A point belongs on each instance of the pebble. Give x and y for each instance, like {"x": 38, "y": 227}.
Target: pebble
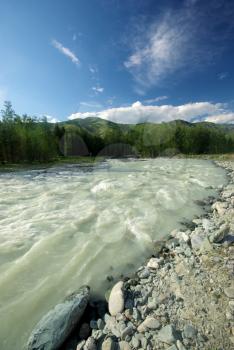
{"x": 149, "y": 323}
{"x": 108, "y": 344}
{"x": 123, "y": 345}
{"x": 168, "y": 334}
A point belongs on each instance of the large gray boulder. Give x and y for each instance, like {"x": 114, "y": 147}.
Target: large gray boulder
{"x": 54, "y": 328}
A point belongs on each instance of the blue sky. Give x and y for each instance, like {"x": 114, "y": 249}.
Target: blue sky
{"x": 121, "y": 60}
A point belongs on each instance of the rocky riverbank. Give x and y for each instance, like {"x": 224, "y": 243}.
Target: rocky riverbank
{"x": 182, "y": 298}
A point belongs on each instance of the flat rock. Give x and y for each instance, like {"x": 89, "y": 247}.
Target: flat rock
{"x": 54, "y": 328}
{"x": 116, "y": 299}
{"x": 168, "y": 334}
{"x": 229, "y": 292}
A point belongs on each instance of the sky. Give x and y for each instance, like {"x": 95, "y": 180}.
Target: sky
{"x": 123, "y": 60}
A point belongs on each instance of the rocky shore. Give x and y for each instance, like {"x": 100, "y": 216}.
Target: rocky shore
{"x": 182, "y": 298}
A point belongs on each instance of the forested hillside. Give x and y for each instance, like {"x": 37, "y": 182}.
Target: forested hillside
{"x": 28, "y": 139}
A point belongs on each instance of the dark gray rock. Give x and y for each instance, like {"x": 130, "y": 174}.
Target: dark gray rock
{"x": 189, "y": 332}
{"x": 54, "y": 328}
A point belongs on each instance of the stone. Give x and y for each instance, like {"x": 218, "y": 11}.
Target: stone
{"x": 108, "y": 344}
{"x": 84, "y": 331}
{"x": 180, "y": 345}
{"x": 80, "y": 345}
{"x": 116, "y": 299}
{"x": 206, "y": 246}
{"x": 135, "y": 342}
{"x": 231, "y": 305}
{"x": 100, "y": 324}
{"x": 168, "y": 334}
{"x": 189, "y": 332}
{"x": 144, "y": 273}
{"x": 197, "y": 239}
{"x": 153, "y": 263}
{"x": 126, "y": 331}
{"x": 54, "y": 328}
{"x": 123, "y": 345}
{"x": 90, "y": 344}
{"x": 219, "y": 207}
{"x": 173, "y": 347}
{"x": 149, "y": 323}
{"x": 93, "y": 324}
{"x": 229, "y": 292}
{"x": 218, "y": 236}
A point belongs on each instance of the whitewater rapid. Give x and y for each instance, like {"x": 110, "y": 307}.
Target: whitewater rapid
{"x": 67, "y": 226}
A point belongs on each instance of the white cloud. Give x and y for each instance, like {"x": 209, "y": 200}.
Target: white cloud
{"x": 65, "y": 51}
{"x": 226, "y": 118}
{"x": 51, "y": 119}
{"x": 156, "y": 99}
{"x": 97, "y": 89}
{"x": 138, "y": 112}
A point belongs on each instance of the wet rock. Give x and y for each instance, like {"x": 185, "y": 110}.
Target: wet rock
{"x": 168, "y": 334}
{"x": 57, "y": 324}
{"x": 100, "y": 324}
{"x": 116, "y": 299}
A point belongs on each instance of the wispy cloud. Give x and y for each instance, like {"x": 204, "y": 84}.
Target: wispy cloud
{"x": 65, "y": 51}
{"x": 91, "y": 105}
{"x": 179, "y": 41}
{"x": 156, "y": 99}
{"x": 93, "y": 69}
{"x": 97, "y": 89}
{"x": 222, "y": 75}
{"x": 137, "y": 112}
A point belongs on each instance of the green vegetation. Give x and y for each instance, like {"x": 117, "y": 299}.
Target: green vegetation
{"x": 25, "y": 139}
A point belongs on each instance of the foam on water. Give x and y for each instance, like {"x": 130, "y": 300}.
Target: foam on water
{"x": 64, "y": 227}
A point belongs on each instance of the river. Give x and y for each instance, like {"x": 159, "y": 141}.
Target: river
{"x": 70, "y": 225}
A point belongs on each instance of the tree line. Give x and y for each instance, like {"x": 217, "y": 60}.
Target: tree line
{"x": 29, "y": 139}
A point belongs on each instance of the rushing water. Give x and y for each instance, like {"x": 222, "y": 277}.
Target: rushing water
{"x": 67, "y": 226}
